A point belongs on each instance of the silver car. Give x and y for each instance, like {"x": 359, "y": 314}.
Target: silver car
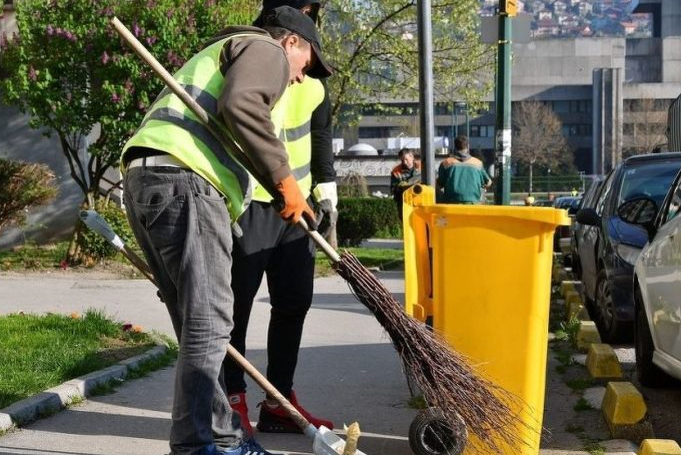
{"x": 657, "y": 288}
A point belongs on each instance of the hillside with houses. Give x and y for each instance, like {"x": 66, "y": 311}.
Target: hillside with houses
{"x": 575, "y": 18}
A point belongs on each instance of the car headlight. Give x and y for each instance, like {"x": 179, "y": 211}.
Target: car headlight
{"x": 628, "y": 253}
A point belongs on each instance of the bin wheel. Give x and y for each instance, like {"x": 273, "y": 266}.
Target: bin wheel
{"x": 431, "y": 434}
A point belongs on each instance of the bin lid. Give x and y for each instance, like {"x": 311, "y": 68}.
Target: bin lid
{"x": 548, "y": 215}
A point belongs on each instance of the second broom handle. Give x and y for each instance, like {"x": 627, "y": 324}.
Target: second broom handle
{"x": 297, "y": 417}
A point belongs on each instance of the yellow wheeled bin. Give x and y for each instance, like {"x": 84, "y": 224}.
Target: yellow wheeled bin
{"x": 482, "y": 275}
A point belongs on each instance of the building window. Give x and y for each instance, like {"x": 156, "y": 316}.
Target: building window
{"x": 377, "y": 132}
{"x": 576, "y": 130}
{"x": 580, "y": 106}
{"x": 446, "y": 130}
{"x": 482, "y": 131}
{"x": 647, "y": 105}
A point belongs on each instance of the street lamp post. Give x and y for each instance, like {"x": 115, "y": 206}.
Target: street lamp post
{"x": 548, "y": 182}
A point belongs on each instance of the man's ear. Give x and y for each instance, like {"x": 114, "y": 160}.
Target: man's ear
{"x": 291, "y": 41}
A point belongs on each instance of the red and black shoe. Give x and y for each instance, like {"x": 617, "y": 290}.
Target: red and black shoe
{"x": 238, "y": 403}
{"x": 276, "y": 419}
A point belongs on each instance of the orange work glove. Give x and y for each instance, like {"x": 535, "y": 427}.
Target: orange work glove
{"x": 295, "y": 205}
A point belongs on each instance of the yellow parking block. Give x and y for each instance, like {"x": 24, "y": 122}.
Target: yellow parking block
{"x": 577, "y": 310}
{"x": 623, "y": 404}
{"x": 602, "y": 362}
{"x": 659, "y": 447}
{"x": 587, "y": 335}
{"x": 573, "y": 297}
{"x": 567, "y": 286}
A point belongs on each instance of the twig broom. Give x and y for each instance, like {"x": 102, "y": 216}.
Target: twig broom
{"x": 445, "y": 377}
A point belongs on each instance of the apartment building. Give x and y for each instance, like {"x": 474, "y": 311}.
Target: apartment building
{"x": 611, "y": 94}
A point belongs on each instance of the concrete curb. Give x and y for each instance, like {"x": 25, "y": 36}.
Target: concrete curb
{"x": 57, "y": 398}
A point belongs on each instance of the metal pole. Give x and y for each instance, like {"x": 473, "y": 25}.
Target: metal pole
{"x": 468, "y": 126}
{"x": 456, "y": 112}
{"x": 502, "y": 194}
{"x": 426, "y": 92}
{"x": 451, "y": 145}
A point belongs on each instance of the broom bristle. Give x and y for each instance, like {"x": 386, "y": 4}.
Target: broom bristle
{"x": 444, "y": 376}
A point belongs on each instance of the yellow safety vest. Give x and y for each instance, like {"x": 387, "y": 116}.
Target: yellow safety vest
{"x": 172, "y": 127}
{"x": 302, "y": 100}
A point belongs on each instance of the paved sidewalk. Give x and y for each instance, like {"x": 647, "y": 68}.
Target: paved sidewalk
{"x": 348, "y": 371}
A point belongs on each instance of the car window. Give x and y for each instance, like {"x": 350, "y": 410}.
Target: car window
{"x": 591, "y": 194}
{"x": 674, "y": 203}
{"x": 607, "y": 187}
{"x": 649, "y": 180}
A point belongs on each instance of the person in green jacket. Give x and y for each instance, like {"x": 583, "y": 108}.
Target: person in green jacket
{"x": 183, "y": 190}
{"x": 461, "y": 177}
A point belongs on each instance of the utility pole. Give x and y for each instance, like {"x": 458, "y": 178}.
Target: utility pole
{"x": 502, "y": 194}
{"x": 427, "y": 124}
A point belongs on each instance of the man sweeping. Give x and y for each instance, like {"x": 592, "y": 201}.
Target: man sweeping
{"x": 282, "y": 252}
{"x": 183, "y": 191}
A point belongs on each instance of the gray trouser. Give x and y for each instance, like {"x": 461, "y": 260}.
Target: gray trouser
{"x": 182, "y": 225}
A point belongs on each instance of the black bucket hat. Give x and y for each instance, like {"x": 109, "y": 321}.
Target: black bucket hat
{"x": 295, "y": 21}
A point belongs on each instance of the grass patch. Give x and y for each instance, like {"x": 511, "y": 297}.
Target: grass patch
{"x": 572, "y": 428}
{"x": 564, "y": 357}
{"x": 41, "y": 351}
{"x": 582, "y": 405}
{"x": 383, "y": 258}
{"x": 594, "y": 448}
{"x": 33, "y": 257}
{"x": 568, "y": 331}
{"x": 580, "y": 384}
{"x": 37, "y": 258}
{"x": 417, "y": 402}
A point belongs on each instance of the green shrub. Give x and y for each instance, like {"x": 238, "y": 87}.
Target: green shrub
{"x": 23, "y": 185}
{"x": 353, "y": 185}
{"x": 93, "y": 245}
{"x": 366, "y": 217}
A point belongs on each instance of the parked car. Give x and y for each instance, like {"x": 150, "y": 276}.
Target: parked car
{"x": 608, "y": 252}
{"x": 561, "y": 237}
{"x": 588, "y": 201}
{"x": 657, "y": 287}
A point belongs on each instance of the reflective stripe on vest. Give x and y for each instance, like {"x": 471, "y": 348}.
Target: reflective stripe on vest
{"x": 172, "y": 127}
{"x": 302, "y": 100}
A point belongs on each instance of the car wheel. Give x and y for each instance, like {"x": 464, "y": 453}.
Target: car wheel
{"x": 611, "y": 330}
{"x": 648, "y": 374}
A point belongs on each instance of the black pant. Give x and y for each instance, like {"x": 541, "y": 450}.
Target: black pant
{"x": 286, "y": 254}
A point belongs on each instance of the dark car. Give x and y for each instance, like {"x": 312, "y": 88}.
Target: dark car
{"x": 569, "y": 203}
{"x": 562, "y": 234}
{"x": 588, "y": 201}
{"x": 608, "y": 252}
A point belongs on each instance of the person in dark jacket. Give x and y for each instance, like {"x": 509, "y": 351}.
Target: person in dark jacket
{"x": 282, "y": 252}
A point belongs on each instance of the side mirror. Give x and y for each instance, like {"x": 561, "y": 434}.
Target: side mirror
{"x": 640, "y": 211}
{"x": 588, "y": 216}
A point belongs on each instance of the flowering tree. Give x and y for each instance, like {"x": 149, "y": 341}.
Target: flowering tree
{"x": 77, "y": 80}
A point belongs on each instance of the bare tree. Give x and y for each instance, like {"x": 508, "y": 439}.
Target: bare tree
{"x": 646, "y": 129}
{"x": 538, "y": 138}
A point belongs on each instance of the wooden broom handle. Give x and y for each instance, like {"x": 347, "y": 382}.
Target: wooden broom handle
{"x": 200, "y": 112}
